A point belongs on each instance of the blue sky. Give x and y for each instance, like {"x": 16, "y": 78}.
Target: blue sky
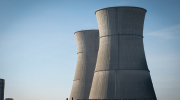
{"x": 38, "y": 51}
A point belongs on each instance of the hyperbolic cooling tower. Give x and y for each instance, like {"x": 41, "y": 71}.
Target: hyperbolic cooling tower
{"x": 121, "y": 70}
{"x": 87, "y": 49}
{"x": 2, "y": 84}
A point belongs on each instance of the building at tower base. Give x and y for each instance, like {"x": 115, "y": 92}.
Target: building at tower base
{"x": 2, "y": 85}
{"x": 9, "y": 99}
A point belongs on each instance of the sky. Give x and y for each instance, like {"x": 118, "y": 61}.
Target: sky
{"x": 38, "y": 50}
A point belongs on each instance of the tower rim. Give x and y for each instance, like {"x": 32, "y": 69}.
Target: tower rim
{"x": 120, "y": 7}
{"x": 87, "y": 30}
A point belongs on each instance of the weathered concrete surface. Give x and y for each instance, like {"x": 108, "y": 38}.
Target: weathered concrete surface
{"x": 87, "y": 49}
{"x": 2, "y": 84}
{"x": 121, "y": 70}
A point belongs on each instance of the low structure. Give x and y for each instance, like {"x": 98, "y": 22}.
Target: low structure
{"x": 9, "y": 99}
{"x": 2, "y": 85}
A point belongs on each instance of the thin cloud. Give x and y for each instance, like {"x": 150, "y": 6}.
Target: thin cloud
{"x": 168, "y": 33}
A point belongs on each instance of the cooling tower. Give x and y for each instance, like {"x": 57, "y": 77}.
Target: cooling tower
{"x": 2, "y": 84}
{"x": 121, "y": 70}
{"x": 87, "y": 49}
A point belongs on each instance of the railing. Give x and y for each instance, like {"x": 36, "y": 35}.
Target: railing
{"x": 113, "y": 99}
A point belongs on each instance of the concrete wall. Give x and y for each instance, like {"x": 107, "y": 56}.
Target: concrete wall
{"x": 87, "y": 49}
{"x": 2, "y": 85}
{"x": 121, "y": 70}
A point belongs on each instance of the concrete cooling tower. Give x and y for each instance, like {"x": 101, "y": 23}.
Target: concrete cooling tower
{"x": 2, "y": 84}
{"x": 121, "y": 70}
{"x": 87, "y": 49}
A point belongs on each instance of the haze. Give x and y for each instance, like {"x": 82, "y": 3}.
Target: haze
{"x": 38, "y": 50}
